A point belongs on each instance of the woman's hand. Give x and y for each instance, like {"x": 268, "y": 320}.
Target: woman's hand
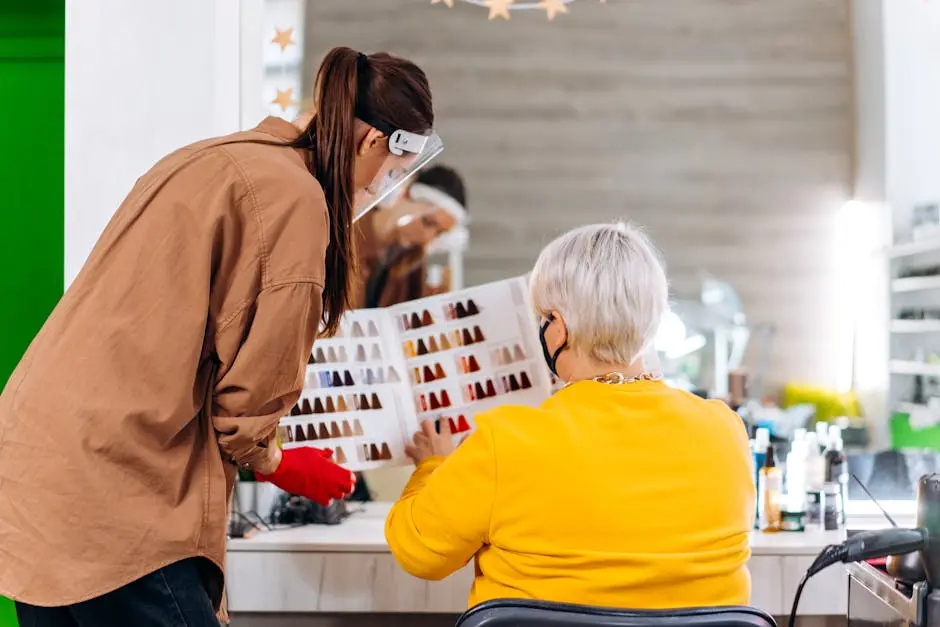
{"x": 429, "y": 443}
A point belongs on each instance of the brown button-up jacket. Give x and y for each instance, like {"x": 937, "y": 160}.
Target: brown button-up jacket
{"x": 206, "y": 284}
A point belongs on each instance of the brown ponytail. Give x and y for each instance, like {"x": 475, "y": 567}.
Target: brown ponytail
{"x": 396, "y": 92}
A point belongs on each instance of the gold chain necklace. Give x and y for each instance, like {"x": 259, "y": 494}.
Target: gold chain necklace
{"x": 618, "y": 378}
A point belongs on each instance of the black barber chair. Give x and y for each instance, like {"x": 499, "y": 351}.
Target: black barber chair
{"x": 521, "y": 613}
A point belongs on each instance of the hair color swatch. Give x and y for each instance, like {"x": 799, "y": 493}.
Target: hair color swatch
{"x": 376, "y": 452}
{"x": 461, "y": 309}
{"x": 415, "y": 320}
{"x": 339, "y": 403}
{"x": 369, "y": 329}
{"x": 507, "y": 355}
{"x": 364, "y": 351}
{"x": 352, "y": 377}
{"x": 428, "y": 373}
{"x": 432, "y": 401}
{"x": 316, "y": 431}
{"x": 491, "y": 387}
{"x": 458, "y": 425}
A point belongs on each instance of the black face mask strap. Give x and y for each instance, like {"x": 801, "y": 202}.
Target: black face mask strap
{"x": 551, "y": 359}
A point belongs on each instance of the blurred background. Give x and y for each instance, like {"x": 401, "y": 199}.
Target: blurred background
{"x": 724, "y": 128}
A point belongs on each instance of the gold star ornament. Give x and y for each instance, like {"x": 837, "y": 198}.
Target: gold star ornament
{"x": 449, "y": 3}
{"x": 553, "y": 7}
{"x": 499, "y": 8}
{"x": 283, "y": 38}
{"x": 284, "y": 98}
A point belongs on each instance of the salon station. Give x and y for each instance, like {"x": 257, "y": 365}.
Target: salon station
{"x": 293, "y": 576}
{"x": 774, "y": 162}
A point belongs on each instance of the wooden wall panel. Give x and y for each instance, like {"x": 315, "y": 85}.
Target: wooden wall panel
{"x": 723, "y": 126}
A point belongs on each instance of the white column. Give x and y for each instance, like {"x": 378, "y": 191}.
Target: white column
{"x": 142, "y": 78}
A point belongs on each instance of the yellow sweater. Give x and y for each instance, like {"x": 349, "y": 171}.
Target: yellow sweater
{"x": 633, "y": 496}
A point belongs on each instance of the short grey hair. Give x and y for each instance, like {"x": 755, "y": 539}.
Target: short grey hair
{"x": 609, "y": 284}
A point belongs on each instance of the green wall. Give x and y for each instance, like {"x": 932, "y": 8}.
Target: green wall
{"x": 32, "y": 177}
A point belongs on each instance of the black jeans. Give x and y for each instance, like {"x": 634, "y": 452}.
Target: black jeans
{"x": 170, "y": 597}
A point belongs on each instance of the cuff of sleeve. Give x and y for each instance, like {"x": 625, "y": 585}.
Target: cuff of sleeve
{"x": 259, "y": 455}
{"x": 429, "y": 464}
{"x": 422, "y": 472}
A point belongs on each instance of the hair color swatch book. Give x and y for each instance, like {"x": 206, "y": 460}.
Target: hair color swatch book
{"x": 441, "y": 358}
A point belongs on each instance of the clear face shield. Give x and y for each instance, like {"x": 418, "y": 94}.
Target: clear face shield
{"x": 410, "y": 152}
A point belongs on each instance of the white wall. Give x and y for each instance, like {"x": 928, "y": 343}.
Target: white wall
{"x": 897, "y": 90}
{"x": 142, "y": 78}
{"x": 912, "y": 103}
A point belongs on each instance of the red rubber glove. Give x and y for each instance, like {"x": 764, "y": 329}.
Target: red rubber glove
{"x": 308, "y": 472}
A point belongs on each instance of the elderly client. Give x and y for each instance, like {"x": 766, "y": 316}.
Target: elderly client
{"x": 618, "y": 491}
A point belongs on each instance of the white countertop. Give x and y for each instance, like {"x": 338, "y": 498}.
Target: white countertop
{"x": 364, "y": 532}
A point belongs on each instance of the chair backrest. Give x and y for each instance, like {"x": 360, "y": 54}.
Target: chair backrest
{"x": 522, "y": 613}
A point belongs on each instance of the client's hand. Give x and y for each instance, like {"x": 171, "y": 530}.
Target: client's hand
{"x": 308, "y": 472}
{"x": 429, "y": 443}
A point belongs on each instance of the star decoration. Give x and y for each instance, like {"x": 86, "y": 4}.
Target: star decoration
{"x": 283, "y": 38}
{"x": 499, "y": 8}
{"x": 553, "y": 7}
{"x": 284, "y": 98}
{"x": 449, "y": 3}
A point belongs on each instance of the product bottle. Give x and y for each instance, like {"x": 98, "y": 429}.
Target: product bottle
{"x": 770, "y": 490}
{"x": 836, "y": 471}
{"x": 759, "y": 449}
{"x": 795, "y": 476}
{"x": 830, "y": 506}
{"x": 759, "y": 452}
{"x": 815, "y": 477}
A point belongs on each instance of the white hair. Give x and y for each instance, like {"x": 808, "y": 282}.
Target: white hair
{"x": 609, "y": 285}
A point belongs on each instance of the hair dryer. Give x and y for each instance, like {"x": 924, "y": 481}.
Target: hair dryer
{"x": 904, "y": 544}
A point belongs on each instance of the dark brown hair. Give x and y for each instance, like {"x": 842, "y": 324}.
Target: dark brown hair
{"x": 395, "y": 93}
{"x": 447, "y": 180}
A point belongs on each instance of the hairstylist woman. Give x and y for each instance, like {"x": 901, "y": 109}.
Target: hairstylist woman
{"x": 170, "y": 359}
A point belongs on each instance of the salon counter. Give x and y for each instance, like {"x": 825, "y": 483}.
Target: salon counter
{"x": 348, "y": 569}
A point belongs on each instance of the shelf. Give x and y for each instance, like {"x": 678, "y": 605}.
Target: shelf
{"x": 915, "y": 283}
{"x": 913, "y": 248}
{"x": 915, "y": 326}
{"x": 900, "y": 366}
